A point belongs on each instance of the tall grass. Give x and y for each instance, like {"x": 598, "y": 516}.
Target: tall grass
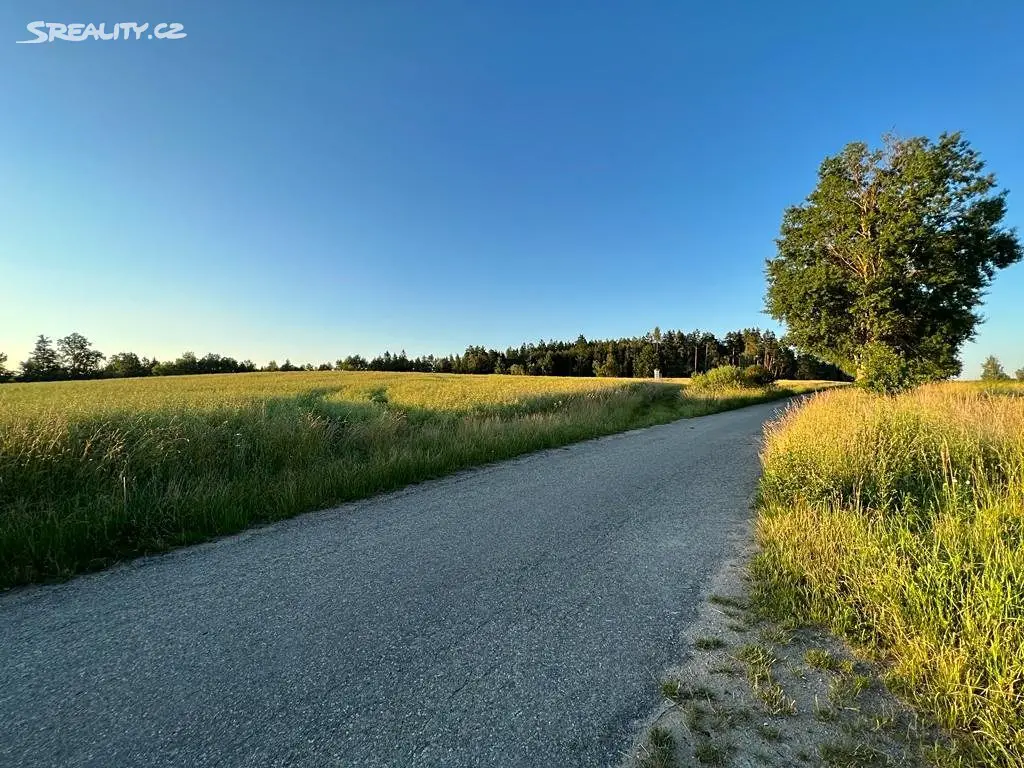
{"x": 91, "y": 472}
{"x": 900, "y": 523}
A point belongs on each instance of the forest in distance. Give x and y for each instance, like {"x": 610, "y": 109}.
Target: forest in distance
{"x": 675, "y": 354}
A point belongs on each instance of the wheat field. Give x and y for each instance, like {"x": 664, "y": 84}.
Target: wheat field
{"x": 96, "y": 471}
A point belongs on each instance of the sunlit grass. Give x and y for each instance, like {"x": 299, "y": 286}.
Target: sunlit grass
{"x": 900, "y": 522}
{"x": 94, "y": 471}
{"x": 433, "y": 391}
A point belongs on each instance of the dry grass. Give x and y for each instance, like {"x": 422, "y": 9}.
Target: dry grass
{"x": 900, "y": 523}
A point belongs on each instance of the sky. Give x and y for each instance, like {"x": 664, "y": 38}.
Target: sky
{"x": 312, "y": 180}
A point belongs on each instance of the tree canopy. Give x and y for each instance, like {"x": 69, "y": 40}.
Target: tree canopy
{"x": 992, "y": 370}
{"x": 42, "y": 364}
{"x": 77, "y": 358}
{"x": 889, "y": 256}
{"x": 673, "y": 353}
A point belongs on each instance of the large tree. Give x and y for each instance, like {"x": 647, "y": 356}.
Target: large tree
{"x": 77, "y": 357}
{"x": 4, "y": 373}
{"x": 42, "y": 364}
{"x": 889, "y": 256}
{"x": 126, "y": 365}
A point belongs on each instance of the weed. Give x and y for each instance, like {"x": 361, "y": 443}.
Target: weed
{"x": 759, "y": 660}
{"x": 708, "y": 643}
{"x": 729, "y": 602}
{"x": 710, "y": 752}
{"x": 851, "y": 755}
{"x": 845, "y": 689}
{"x": 777, "y": 634}
{"x": 659, "y": 751}
{"x": 821, "y": 659}
{"x": 823, "y": 712}
{"x": 774, "y": 699}
{"x": 677, "y": 691}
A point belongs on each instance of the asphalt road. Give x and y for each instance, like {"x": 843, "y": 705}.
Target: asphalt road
{"x": 515, "y": 615}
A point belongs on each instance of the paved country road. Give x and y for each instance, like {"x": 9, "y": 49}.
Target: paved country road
{"x": 515, "y": 615}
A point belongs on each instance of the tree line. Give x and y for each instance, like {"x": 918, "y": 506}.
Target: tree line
{"x": 672, "y": 354}
{"x": 878, "y": 273}
{"x": 992, "y": 370}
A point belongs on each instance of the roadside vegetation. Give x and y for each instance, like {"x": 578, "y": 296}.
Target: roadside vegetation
{"x": 95, "y": 471}
{"x": 898, "y": 522}
{"x": 759, "y": 691}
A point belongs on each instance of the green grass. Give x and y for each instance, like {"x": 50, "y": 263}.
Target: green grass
{"x": 708, "y": 643}
{"x": 759, "y": 660}
{"x": 96, "y": 471}
{"x": 711, "y": 753}
{"x": 678, "y": 691}
{"x": 899, "y": 522}
{"x": 851, "y": 755}
{"x": 821, "y": 659}
{"x": 659, "y": 752}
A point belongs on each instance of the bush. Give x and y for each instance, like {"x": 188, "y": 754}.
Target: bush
{"x": 885, "y": 371}
{"x": 757, "y": 376}
{"x": 730, "y": 377}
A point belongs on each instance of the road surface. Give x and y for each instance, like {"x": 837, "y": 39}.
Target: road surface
{"x": 519, "y": 614}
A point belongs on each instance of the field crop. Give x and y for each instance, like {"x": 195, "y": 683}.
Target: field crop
{"x": 95, "y": 471}
{"x": 899, "y": 522}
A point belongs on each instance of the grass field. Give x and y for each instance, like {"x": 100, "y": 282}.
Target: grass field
{"x": 900, "y": 523}
{"x": 96, "y": 471}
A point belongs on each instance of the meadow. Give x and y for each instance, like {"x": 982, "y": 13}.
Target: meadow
{"x": 899, "y": 522}
{"x": 92, "y": 472}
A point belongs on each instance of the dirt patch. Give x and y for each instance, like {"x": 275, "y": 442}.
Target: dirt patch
{"x": 753, "y": 693}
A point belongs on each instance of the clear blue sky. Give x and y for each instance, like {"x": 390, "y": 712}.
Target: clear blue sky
{"x": 310, "y": 180}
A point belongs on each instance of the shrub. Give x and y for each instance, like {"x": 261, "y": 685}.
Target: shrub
{"x": 723, "y": 377}
{"x": 757, "y": 376}
{"x": 885, "y": 371}
{"x": 731, "y": 377}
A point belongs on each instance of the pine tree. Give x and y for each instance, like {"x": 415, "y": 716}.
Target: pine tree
{"x": 42, "y": 364}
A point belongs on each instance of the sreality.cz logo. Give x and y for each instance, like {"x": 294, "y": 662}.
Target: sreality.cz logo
{"x": 50, "y": 31}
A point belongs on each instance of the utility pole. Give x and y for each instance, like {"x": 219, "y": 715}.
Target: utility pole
{"x": 656, "y": 338}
